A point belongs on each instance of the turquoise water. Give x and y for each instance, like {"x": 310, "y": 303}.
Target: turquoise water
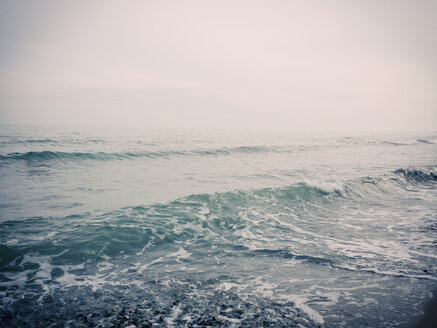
{"x": 186, "y": 228}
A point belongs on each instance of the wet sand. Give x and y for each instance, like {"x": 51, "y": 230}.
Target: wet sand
{"x": 429, "y": 319}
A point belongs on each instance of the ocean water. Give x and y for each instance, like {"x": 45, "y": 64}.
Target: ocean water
{"x": 192, "y": 228}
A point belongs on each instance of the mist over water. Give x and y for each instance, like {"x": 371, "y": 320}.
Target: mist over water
{"x": 186, "y": 228}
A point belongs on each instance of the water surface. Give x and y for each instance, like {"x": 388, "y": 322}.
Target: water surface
{"x": 180, "y": 228}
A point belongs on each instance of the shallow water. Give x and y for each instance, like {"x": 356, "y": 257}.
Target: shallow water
{"x": 221, "y": 228}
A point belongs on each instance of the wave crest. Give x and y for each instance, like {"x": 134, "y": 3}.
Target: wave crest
{"x": 415, "y": 175}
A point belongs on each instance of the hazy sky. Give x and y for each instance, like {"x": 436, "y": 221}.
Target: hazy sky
{"x": 259, "y": 64}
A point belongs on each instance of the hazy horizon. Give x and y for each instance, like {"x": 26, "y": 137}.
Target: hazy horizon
{"x": 294, "y": 65}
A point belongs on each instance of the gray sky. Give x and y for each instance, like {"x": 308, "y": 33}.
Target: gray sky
{"x": 318, "y": 65}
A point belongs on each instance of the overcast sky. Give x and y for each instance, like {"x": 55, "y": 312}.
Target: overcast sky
{"x": 318, "y": 65}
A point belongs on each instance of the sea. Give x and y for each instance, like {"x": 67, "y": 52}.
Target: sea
{"x": 124, "y": 227}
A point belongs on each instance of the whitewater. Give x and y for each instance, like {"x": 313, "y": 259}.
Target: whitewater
{"x": 114, "y": 227}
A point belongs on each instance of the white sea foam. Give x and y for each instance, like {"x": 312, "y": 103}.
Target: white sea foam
{"x": 175, "y": 313}
{"x": 141, "y": 268}
{"x": 12, "y": 241}
{"x": 228, "y": 285}
{"x": 300, "y": 303}
{"x": 149, "y": 243}
{"x": 180, "y": 254}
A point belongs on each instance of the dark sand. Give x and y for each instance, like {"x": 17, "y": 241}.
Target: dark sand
{"x": 429, "y": 319}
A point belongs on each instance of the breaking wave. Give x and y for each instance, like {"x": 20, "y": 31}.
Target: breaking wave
{"x": 129, "y": 229}
{"x": 118, "y": 256}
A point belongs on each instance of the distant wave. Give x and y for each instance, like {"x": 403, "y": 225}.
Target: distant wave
{"x": 407, "y": 143}
{"x": 13, "y": 141}
{"x": 36, "y": 141}
{"x": 394, "y": 143}
{"x": 60, "y": 155}
{"x": 107, "y": 156}
{"x": 50, "y": 155}
{"x": 424, "y": 141}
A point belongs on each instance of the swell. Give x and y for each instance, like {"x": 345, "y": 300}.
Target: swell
{"x": 108, "y": 156}
{"x": 50, "y": 155}
{"x": 13, "y": 141}
{"x": 27, "y": 141}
